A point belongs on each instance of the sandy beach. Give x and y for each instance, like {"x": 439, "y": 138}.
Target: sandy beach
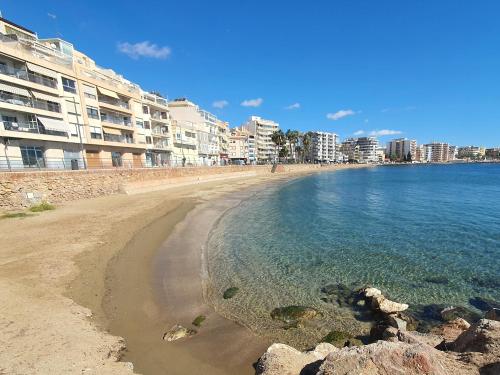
{"x": 79, "y": 279}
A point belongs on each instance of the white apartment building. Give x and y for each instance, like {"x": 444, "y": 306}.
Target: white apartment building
{"x": 323, "y": 147}
{"x": 261, "y": 130}
{"x": 196, "y": 132}
{"x": 239, "y": 146}
{"x": 361, "y": 150}
{"x": 399, "y": 149}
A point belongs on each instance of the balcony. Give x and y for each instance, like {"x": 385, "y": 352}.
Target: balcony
{"x": 30, "y": 127}
{"x": 117, "y": 120}
{"x": 159, "y": 116}
{"x": 160, "y": 132}
{"x": 114, "y": 102}
{"x": 27, "y": 76}
{"x": 28, "y": 102}
{"x": 118, "y": 138}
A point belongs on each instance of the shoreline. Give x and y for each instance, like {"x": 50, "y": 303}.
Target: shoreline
{"x": 175, "y": 295}
{"x": 55, "y": 275}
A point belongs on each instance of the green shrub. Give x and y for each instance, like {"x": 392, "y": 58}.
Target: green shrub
{"x": 13, "y": 215}
{"x": 44, "y": 206}
{"x": 198, "y": 320}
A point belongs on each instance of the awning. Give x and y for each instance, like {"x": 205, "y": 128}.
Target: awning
{"x": 41, "y": 96}
{"x": 14, "y": 90}
{"x": 107, "y": 92}
{"x": 41, "y": 70}
{"x": 53, "y": 124}
{"x": 111, "y": 131}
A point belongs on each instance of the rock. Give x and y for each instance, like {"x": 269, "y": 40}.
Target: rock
{"x": 395, "y": 321}
{"x": 483, "y": 337}
{"x": 371, "y": 292}
{"x": 390, "y": 334}
{"x": 387, "y": 306}
{"x": 340, "y": 294}
{"x": 281, "y": 359}
{"x": 413, "y": 337}
{"x": 337, "y": 338}
{"x": 493, "y": 314}
{"x": 437, "y": 280}
{"x": 451, "y": 313}
{"x": 230, "y": 292}
{"x": 291, "y": 314}
{"x": 449, "y": 331}
{"x": 388, "y": 358}
{"x": 484, "y": 304}
{"x": 178, "y": 332}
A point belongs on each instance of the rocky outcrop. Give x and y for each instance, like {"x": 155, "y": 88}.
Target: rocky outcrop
{"x": 455, "y": 347}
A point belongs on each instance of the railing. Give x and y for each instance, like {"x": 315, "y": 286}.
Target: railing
{"x": 116, "y": 120}
{"x": 29, "y": 127}
{"x": 27, "y": 76}
{"x": 159, "y": 116}
{"x": 28, "y": 102}
{"x": 117, "y": 138}
{"x": 116, "y": 102}
{"x": 154, "y": 160}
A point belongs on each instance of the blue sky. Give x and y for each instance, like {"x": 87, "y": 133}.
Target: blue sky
{"x": 426, "y": 69}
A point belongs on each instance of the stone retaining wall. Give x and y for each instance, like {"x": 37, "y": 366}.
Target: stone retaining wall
{"x": 23, "y": 189}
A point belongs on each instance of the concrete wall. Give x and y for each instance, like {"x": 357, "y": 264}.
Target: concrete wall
{"x": 23, "y": 189}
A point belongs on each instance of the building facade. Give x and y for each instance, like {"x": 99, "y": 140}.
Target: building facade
{"x": 239, "y": 146}
{"x": 264, "y": 149}
{"x": 323, "y": 147}
{"x": 437, "y": 152}
{"x": 401, "y": 149}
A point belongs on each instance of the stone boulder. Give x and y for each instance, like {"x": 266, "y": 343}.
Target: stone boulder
{"x": 483, "y": 337}
{"x": 493, "y": 314}
{"x": 281, "y": 359}
{"x": 395, "y": 358}
{"x": 387, "y": 306}
{"x": 178, "y": 332}
{"x": 449, "y": 331}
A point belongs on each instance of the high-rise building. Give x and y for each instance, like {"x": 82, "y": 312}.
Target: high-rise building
{"x": 323, "y": 147}
{"x": 361, "y": 150}
{"x": 239, "y": 146}
{"x": 261, "y": 130}
{"x": 400, "y": 149}
{"x": 437, "y": 152}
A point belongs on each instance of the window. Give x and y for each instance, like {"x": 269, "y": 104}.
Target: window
{"x": 53, "y": 107}
{"x": 32, "y": 156}
{"x": 92, "y": 112}
{"x": 145, "y": 109}
{"x": 148, "y": 140}
{"x": 69, "y": 85}
{"x": 116, "y": 159}
{"x": 139, "y": 123}
{"x": 90, "y": 96}
{"x": 147, "y": 125}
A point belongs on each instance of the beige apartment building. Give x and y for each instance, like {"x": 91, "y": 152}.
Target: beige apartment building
{"x": 239, "y": 146}
{"x": 438, "y": 152}
{"x": 261, "y": 130}
{"x": 59, "y": 109}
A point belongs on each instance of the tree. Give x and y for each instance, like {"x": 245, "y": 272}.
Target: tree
{"x": 292, "y": 137}
{"x": 306, "y": 144}
{"x": 409, "y": 157}
{"x": 283, "y": 152}
{"x": 279, "y": 139}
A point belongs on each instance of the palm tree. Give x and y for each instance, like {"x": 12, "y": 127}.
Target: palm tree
{"x": 279, "y": 139}
{"x": 292, "y": 137}
{"x": 306, "y": 143}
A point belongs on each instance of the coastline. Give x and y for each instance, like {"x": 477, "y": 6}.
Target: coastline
{"x": 56, "y": 272}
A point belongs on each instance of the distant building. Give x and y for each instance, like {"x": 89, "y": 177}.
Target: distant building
{"x": 361, "y": 150}
{"x": 437, "y": 152}
{"x": 471, "y": 152}
{"x": 399, "y": 149}
{"x": 492, "y": 153}
{"x": 260, "y": 129}
{"x": 323, "y": 147}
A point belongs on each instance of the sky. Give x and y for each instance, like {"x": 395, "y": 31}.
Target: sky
{"x": 423, "y": 69}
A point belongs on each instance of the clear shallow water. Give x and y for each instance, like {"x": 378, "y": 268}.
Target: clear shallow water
{"x": 422, "y": 234}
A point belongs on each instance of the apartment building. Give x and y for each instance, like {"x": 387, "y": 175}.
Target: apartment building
{"x": 400, "y": 149}
{"x": 155, "y": 129}
{"x": 260, "y": 130}
{"x": 471, "y": 152}
{"x": 61, "y": 110}
{"x": 437, "y": 152}
{"x": 323, "y": 147}
{"x": 239, "y": 146}
{"x": 223, "y": 140}
{"x": 350, "y": 150}
{"x": 360, "y": 150}
{"x": 492, "y": 153}
{"x": 197, "y": 132}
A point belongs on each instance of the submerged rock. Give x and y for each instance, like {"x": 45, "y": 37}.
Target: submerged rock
{"x": 178, "y": 332}
{"x": 230, "y": 292}
{"x": 484, "y": 304}
{"x": 338, "y": 338}
{"x": 493, "y": 314}
{"x": 442, "y": 280}
{"x": 451, "y": 313}
{"x": 340, "y": 294}
{"x": 291, "y": 314}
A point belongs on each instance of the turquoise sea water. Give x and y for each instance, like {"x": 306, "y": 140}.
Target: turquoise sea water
{"x": 424, "y": 235}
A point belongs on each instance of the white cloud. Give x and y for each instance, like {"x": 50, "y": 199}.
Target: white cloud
{"x": 252, "y": 102}
{"x": 381, "y": 133}
{"x": 51, "y": 15}
{"x": 293, "y": 106}
{"x": 220, "y": 104}
{"x": 144, "y": 49}
{"x": 359, "y": 132}
{"x": 340, "y": 114}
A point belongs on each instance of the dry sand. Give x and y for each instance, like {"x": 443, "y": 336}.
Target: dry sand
{"x": 103, "y": 254}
